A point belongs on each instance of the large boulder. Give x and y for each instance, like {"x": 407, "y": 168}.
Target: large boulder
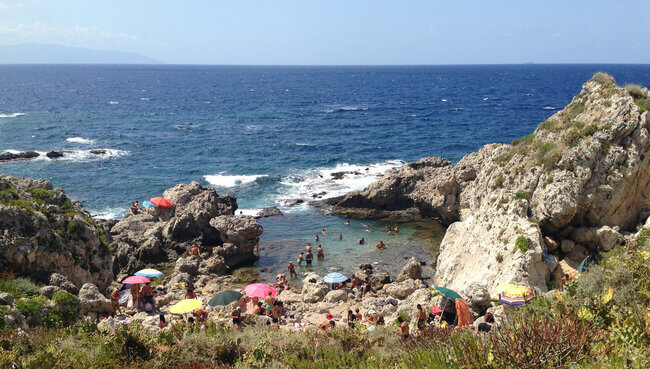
{"x": 6, "y": 299}
{"x": 411, "y": 270}
{"x": 313, "y": 288}
{"x": 92, "y": 301}
{"x": 241, "y": 233}
{"x": 400, "y": 290}
{"x": 64, "y": 283}
{"x": 336, "y": 296}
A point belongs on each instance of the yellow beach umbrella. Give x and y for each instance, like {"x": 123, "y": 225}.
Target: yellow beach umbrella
{"x": 185, "y": 306}
{"x": 513, "y": 289}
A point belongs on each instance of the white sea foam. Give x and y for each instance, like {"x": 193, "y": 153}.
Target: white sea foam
{"x": 251, "y": 212}
{"x": 11, "y": 115}
{"x": 84, "y": 155}
{"x": 332, "y": 182}
{"x": 222, "y": 180}
{"x": 306, "y": 144}
{"x": 144, "y": 99}
{"x": 344, "y": 108}
{"x": 549, "y": 108}
{"x": 13, "y": 151}
{"x": 108, "y": 213}
{"x": 81, "y": 140}
{"x": 113, "y": 102}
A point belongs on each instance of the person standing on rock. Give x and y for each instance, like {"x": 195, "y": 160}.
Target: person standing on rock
{"x": 319, "y": 253}
{"x": 292, "y": 270}
{"x": 147, "y": 294}
{"x": 115, "y": 301}
{"x": 268, "y": 301}
{"x": 135, "y": 296}
{"x": 308, "y": 258}
{"x": 422, "y": 317}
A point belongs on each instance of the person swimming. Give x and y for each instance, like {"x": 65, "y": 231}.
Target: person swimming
{"x": 347, "y": 222}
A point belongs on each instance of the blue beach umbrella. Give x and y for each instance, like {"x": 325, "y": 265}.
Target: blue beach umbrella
{"x": 335, "y": 277}
{"x": 150, "y": 273}
{"x": 147, "y": 204}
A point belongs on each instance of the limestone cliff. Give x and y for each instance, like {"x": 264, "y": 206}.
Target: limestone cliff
{"x": 43, "y": 232}
{"x": 569, "y": 189}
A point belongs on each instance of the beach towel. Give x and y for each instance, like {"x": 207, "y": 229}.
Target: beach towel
{"x": 462, "y": 311}
{"x": 301, "y": 325}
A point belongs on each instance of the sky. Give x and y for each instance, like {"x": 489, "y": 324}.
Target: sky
{"x": 340, "y": 32}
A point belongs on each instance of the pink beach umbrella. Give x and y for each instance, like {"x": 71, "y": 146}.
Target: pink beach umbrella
{"x": 259, "y": 290}
{"x": 136, "y": 279}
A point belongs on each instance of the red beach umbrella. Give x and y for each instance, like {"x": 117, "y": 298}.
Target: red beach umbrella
{"x": 161, "y": 202}
{"x": 136, "y": 279}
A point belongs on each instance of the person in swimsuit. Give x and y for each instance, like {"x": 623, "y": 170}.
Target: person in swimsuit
{"x": 299, "y": 260}
{"x": 381, "y": 245}
{"x": 190, "y": 294}
{"x": 236, "y": 316}
{"x": 135, "y": 295}
{"x": 347, "y": 222}
{"x": 201, "y": 315}
{"x": 258, "y": 310}
{"x": 355, "y": 282}
{"x": 351, "y": 319}
{"x": 363, "y": 240}
{"x": 308, "y": 247}
{"x": 308, "y": 258}
{"x": 115, "y": 301}
{"x": 316, "y": 238}
{"x": 292, "y": 270}
{"x": 134, "y": 208}
{"x": 357, "y": 315}
{"x": 387, "y": 228}
{"x": 396, "y": 228}
{"x": 403, "y": 329}
{"x": 268, "y": 301}
{"x": 276, "y": 311}
{"x": 323, "y": 232}
{"x": 319, "y": 253}
{"x": 340, "y": 236}
{"x": 147, "y": 294}
{"x": 422, "y": 317}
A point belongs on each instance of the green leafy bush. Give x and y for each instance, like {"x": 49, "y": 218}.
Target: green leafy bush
{"x": 519, "y": 195}
{"x": 521, "y": 244}
{"x": 18, "y": 287}
{"x": 30, "y": 306}
{"x": 64, "y": 310}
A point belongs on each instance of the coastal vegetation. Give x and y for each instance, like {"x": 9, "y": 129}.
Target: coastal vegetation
{"x": 602, "y": 320}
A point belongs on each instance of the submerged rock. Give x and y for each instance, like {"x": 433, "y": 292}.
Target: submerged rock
{"x": 269, "y": 212}
{"x": 7, "y": 156}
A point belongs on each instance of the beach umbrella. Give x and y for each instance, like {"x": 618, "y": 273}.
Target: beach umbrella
{"x": 335, "y": 277}
{"x": 161, "y": 203}
{"x": 136, "y": 279}
{"x": 225, "y": 297}
{"x": 448, "y": 293}
{"x": 150, "y": 273}
{"x": 584, "y": 265}
{"x": 513, "y": 295}
{"x": 147, "y": 204}
{"x": 259, "y": 290}
{"x": 185, "y": 306}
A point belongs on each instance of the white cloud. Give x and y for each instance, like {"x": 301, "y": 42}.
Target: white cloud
{"x": 74, "y": 36}
{"x": 17, "y": 4}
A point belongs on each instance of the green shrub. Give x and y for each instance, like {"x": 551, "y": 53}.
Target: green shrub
{"x": 64, "y": 309}
{"x": 576, "y": 109}
{"x": 4, "y": 310}
{"x": 74, "y": 229}
{"x": 521, "y": 244}
{"x": 635, "y": 91}
{"x": 498, "y": 183}
{"x": 601, "y": 77}
{"x": 607, "y": 103}
{"x": 18, "y": 287}
{"x": 67, "y": 208}
{"x": 524, "y": 141}
{"x": 519, "y": 195}
{"x": 30, "y": 306}
{"x": 103, "y": 242}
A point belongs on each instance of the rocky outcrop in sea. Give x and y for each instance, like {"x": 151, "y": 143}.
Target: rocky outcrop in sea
{"x": 528, "y": 212}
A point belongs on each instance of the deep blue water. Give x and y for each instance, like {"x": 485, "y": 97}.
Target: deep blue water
{"x": 282, "y": 128}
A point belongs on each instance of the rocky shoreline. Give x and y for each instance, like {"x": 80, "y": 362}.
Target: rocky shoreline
{"x": 525, "y": 213}
{"x": 529, "y": 212}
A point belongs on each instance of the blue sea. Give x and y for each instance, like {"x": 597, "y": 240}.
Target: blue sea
{"x": 271, "y": 135}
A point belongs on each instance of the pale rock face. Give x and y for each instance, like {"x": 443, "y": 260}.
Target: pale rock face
{"x": 313, "y": 288}
{"x": 91, "y": 300}
{"x": 411, "y": 270}
{"x": 580, "y": 175}
{"x": 400, "y": 290}
{"x": 336, "y": 296}
{"x": 6, "y": 299}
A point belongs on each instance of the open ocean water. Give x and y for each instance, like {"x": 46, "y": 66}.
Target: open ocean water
{"x": 273, "y": 135}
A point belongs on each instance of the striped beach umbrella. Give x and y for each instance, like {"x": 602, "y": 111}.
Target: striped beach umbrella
{"x": 335, "y": 277}
{"x": 150, "y": 273}
{"x": 513, "y": 295}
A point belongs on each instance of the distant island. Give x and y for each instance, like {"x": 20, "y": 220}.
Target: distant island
{"x": 33, "y": 53}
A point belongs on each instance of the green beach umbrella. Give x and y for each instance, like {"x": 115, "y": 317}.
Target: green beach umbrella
{"x": 448, "y": 293}
{"x": 224, "y": 298}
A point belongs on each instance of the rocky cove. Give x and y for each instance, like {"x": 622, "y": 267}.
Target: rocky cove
{"x": 525, "y": 213}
